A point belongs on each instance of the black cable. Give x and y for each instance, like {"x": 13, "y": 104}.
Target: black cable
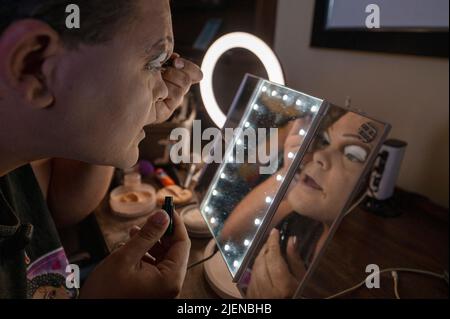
{"x": 204, "y": 260}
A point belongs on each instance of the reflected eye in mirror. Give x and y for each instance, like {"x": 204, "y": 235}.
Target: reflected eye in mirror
{"x": 321, "y": 141}
{"x": 355, "y": 153}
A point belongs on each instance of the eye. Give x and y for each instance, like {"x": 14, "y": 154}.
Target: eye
{"x": 355, "y": 153}
{"x": 323, "y": 140}
{"x": 156, "y": 65}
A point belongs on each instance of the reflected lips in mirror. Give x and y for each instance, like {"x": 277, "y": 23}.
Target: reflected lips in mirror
{"x": 310, "y": 182}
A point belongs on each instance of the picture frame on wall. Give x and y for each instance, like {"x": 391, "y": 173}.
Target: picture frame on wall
{"x": 415, "y": 27}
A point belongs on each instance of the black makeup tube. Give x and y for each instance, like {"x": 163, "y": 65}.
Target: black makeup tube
{"x": 169, "y": 208}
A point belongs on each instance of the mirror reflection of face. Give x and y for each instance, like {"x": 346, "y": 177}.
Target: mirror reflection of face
{"x": 331, "y": 170}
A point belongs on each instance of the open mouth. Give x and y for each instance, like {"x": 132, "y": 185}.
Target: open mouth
{"x": 310, "y": 182}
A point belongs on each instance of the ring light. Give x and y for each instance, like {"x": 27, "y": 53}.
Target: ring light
{"x": 217, "y": 49}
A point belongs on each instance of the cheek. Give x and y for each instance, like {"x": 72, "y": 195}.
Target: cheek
{"x": 133, "y": 103}
{"x": 341, "y": 183}
{"x": 303, "y": 203}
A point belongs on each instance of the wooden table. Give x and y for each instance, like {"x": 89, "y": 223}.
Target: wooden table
{"x": 416, "y": 239}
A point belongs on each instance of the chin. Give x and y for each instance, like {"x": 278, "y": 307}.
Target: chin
{"x": 129, "y": 159}
{"x": 122, "y": 159}
{"x": 303, "y": 205}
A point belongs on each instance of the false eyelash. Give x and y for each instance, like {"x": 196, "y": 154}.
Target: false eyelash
{"x": 151, "y": 68}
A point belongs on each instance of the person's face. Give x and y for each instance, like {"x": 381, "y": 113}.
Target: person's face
{"x": 331, "y": 172}
{"x": 106, "y": 93}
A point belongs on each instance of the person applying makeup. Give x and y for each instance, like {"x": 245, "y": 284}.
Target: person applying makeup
{"x": 73, "y": 104}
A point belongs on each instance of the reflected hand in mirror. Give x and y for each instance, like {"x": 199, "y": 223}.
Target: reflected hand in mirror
{"x": 253, "y": 206}
{"x": 273, "y": 276}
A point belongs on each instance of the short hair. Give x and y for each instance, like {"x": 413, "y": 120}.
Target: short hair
{"x": 100, "y": 19}
{"x": 54, "y": 280}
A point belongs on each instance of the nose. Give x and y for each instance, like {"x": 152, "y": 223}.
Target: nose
{"x": 322, "y": 158}
{"x": 161, "y": 92}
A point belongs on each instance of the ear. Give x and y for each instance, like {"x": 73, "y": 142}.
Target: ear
{"x": 27, "y": 61}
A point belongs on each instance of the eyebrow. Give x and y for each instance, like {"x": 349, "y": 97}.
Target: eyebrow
{"x": 159, "y": 43}
{"x": 352, "y": 135}
{"x": 367, "y": 146}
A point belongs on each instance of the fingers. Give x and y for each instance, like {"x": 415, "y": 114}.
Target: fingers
{"x": 294, "y": 261}
{"x": 277, "y": 267}
{"x": 178, "y": 78}
{"x": 183, "y": 74}
{"x": 180, "y": 232}
{"x": 293, "y": 142}
{"x": 175, "y": 261}
{"x": 190, "y": 68}
{"x": 147, "y": 257}
{"x": 136, "y": 248}
{"x": 134, "y": 230}
{"x": 260, "y": 281}
{"x": 298, "y": 124}
{"x": 176, "y": 95}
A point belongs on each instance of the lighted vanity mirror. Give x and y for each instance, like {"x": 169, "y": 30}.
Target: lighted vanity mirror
{"x": 273, "y": 127}
{"x": 330, "y": 179}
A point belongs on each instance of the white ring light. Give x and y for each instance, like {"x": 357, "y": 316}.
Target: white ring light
{"x": 217, "y": 49}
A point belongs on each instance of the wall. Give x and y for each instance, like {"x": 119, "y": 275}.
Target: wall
{"x": 409, "y": 92}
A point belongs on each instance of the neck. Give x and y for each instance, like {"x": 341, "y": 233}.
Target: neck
{"x": 14, "y": 152}
{"x": 22, "y": 136}
{"x": 9, "y": 161}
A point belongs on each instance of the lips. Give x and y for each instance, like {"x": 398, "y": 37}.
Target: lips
{"x": 141, "y": 135}
{"x": 310, "y": 182}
